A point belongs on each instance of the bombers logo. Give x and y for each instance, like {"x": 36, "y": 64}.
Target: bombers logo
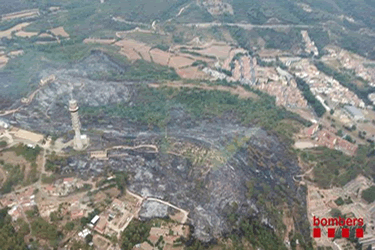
{"x": 337, "y": 222}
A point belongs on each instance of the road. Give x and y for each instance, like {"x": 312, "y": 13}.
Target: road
{"x": 8, "y": 112}
{"x": 182, "y": 10}
{"x": 135, "y": 147}
{"x": 217, "y": 24}
{"x": 247, "y": 26}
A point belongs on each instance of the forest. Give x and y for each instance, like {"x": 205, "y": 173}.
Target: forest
{"x": 309, "y": 96}
{"x": 335, "y": 168}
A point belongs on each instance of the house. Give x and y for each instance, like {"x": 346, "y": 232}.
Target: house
{"x": 99, "y": 154}
{"x": 95, "y": 219}
{"x": 310, "y": 131}
{"x": 144, "y": 246}
{"x": 326, "y": 138}
{"x": 27, "y": 135}
{"x": 354, "y": 112}
{"x": 346, "y": 147}
{"x": 47, "y": 80}
{"x": 101, "y": 225}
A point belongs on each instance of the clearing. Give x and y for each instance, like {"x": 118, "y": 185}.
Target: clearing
{"x": 59, "y": 31}
{"x": 20, "y": 14}
{"x": 99, "y": 40}
{"x": 8, "y": 33}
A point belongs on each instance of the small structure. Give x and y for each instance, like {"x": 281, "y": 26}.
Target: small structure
{"x": 95, "y": 219}
{"x": 47, "y": 80}
{"x": 25, "y": 100}
{"x": 84, "y": 233}
{"x": 101, "y": 225}
{"x": 144, "y": 246}
{"x": 102, "y": 154}
{"x": 4, "y": 124}
{"x": 27, "y": 135}
{"x": 326, "y": 139}
{"x": 346, "y": 147}
{"x": 312, "y": 130}
{"x": 354, "y": 112}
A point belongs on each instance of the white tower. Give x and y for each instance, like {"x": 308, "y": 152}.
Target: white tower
{"x": 73, "y": 108}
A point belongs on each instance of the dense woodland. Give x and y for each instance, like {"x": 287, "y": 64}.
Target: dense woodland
{"x": 310, "y": 97}
{"x": 10, "y": 238}
{"x": 334, "y": 168}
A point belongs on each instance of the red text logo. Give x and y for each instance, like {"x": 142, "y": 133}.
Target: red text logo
{"x": 334, "y": 223}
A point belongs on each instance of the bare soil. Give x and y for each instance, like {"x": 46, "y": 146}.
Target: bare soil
{"x": 59, "y": 31}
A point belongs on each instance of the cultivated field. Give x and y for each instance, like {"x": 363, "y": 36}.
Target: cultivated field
{"x": 180, "y": 61}
{"x": 191, "y": 73}
{"x": 180, "y": 57}
{"x": 8, "y": 33}
{"x": 134, "y": 50}
{"x": 59, "y": 31}
{"x": 159, "y": 56}
{"x": 3, "y": 61}
{"x": 220, "y": 51}
{"x": 98, "y": 40}
{"x": 26, "y": 34}
{"x": 20, "y": 14}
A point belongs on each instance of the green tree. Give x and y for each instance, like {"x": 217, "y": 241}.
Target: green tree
{"x": 369, "y": 194}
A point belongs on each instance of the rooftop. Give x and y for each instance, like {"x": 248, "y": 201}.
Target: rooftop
{"x": 354, "y": 111}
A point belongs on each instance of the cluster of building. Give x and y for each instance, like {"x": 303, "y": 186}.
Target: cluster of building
{"x": 47, "y": 80}
{"x": 326, "y": 137}
{"x": 287, "y": 94}
{"x": 275, "y": 82}
{"x": 323, "y": 85}
{"x": 309, "y": 45}
{"x": 279, "y": 83}
{"x": 115, "y": 218}
{"x": 169, "y": 234}
{"x": 64, "y": 187}
{"x": 322, "y": 201}
{"x": 19, "y": 203}
{"x": 352, "y": 62}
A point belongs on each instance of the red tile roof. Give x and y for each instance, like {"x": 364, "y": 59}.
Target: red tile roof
{"x": 327, "y": 139}
{"x": 312, "y": 129}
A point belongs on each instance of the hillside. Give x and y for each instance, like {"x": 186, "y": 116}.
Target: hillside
{"x": 197, "y": 103}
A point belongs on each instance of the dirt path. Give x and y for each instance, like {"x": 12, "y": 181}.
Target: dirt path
{"x": 239, "y": 90}
{"x": 4, "y": 113}
{"x": 29, "y": 100}
{"x": 247, "y": 25}
{"x": 3, "y": 175}
{"x": 182, "y": 9}
{"x": 135, "y": 147}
